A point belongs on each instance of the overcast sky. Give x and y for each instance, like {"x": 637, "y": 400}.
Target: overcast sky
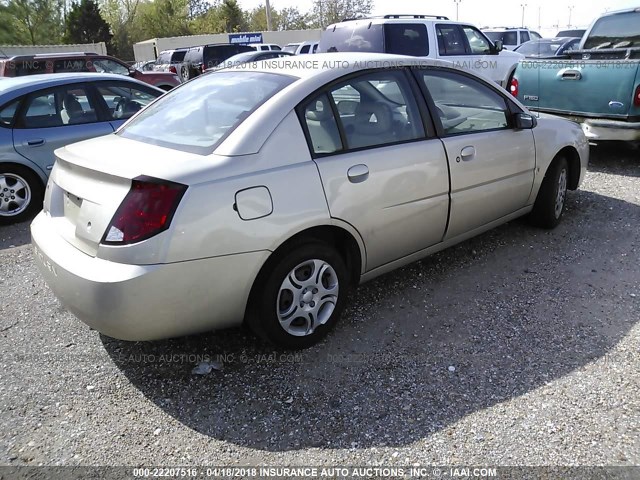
{"x": 553, "y": 14}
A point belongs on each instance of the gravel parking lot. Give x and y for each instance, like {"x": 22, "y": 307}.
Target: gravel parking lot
{"x": 519, "y": 347}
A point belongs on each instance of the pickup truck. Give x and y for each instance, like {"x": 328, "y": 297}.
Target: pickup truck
{"x": 597, "y": 85}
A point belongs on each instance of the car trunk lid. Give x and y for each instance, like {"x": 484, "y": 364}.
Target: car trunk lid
{"x": 90, "y": 180}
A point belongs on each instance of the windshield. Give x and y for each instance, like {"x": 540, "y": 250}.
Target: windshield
{"x": 197, "y": 116}
{"x": 615, "y": 31}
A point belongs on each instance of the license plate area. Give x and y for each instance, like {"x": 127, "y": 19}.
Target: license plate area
{"x": 72, "y": 205}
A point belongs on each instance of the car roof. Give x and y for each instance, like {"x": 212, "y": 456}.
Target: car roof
{"x": 26, "y": 83}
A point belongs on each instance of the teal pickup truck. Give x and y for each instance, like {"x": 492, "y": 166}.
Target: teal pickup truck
{"x": 597, "y": 85}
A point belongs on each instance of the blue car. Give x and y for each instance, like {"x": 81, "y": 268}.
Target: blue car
{"x": 40, "y": 113}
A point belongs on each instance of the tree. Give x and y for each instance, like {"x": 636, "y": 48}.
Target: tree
{"x": 32, "y": 22}
{"x": 209, "y": 22}
{"x": 291, "y": 19}
{"x": 120, "y": 15}
{"x": 161, "y": 18}
{"x": 232, "y": 16}
{"x": 256, "y": 19}
{"x": 325, "y": 12}
{"x": 85, "y": 24}
{"x": 198, "y": 8}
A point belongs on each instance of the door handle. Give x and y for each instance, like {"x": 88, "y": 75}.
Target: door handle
{"x": 467, "y": 153}
{"x": 358, "y": 173}
{"x": 570, "y": 75}
{"x": 36, "y": 142}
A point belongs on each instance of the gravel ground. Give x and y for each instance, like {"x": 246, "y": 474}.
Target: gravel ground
{"x": 519, "y": 347}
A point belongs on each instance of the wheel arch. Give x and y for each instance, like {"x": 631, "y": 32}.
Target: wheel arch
{"x": 348, "y": 245}
{"x": 573, "y": 161}
{"x": 26, "y": 164}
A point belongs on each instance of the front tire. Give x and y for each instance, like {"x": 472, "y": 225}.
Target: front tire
{"x": 21, "y": 194}
{"x": 298, "y": 302}
{"x": 551, "y": 200}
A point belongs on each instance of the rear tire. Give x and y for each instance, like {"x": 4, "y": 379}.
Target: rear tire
{"x": 184, "y": 73}
{"x": 551, "y": 200}
{"x": 301, "y": 298}
{"x": 21, "y": 194}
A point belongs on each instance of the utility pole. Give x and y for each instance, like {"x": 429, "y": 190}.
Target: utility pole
{"x": 523, "y": 5}
{"x": 571, "y": 7}
{"x": 457, "y": 2}
{"x": 268, "y": 8}
{"x": 539, "y": 22}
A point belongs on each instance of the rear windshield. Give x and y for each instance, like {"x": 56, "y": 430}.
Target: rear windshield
{"x": 615, "y": 31}
{"x": 356, "y": 38}
{"x": 197, "y": 116}
{"x": 291, "y": 48}
{"x": 542, "y": 48}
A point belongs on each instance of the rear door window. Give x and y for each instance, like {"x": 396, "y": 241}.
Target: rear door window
{"x": 69, "y": 105}
{"x": 406, "y": 39}
{"x": 28, "y": 67}
{"x": 378, "y": 109}
{"x": 450, "y": 40}
{"x": 510, "y": 38}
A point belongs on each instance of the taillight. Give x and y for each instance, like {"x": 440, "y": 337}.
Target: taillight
{"x": 636, "y": 97}
{"x": 172, "y": 69}
{"x": 203, "y": 68}
{"x": 146, "y": 211}
{"x": 513, "y": 87}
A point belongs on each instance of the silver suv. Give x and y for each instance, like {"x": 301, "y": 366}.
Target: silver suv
{"x": 511, "y": 37}
{"x": 428, "y": 36}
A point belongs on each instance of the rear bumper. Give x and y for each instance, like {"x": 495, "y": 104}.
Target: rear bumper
{"x": 603, "y": 129}
{"x": 600, "y": 129}
{"x": 145, "y": 302}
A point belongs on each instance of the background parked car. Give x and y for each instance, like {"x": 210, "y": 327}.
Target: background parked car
{"x": 416, "y": 35}
{"x": 247, "y": 57}
{"x": 198, "y": 59}
{"x": 20, "y": 65}
{"x": 40, "y": 113}
{"x": 301, "y": 48}
{"x": 171, "y": 61}
{"x": 571, "y": 33}
{"x": 548, "y": 47}
{"x": 265, "y": 46}
{"x": 356, "y": 193}
{"x": 146, "y": 66}
{"x": 511, "y": 37}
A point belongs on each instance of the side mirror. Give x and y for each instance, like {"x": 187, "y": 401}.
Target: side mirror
{"x": 347, "y": 107}
{"x": 524, "y": 121}
{"x": 499, "y": 46}
{"x": 132, "y": 72}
